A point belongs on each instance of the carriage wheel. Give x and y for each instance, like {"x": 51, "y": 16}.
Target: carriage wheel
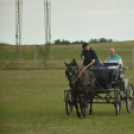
{"x": 129, "y": 98}
{"x": 117, "y": 103}
{"x": 69, "y": 103}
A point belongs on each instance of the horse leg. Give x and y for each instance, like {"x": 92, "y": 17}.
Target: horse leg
{"x": 91, "y": 102}
{"x": 84, "y": 105}
{"x": 81, "y": 105}
{"x": 76, "y": 106}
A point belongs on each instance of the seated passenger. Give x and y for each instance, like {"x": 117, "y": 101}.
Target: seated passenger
{"x": 89, "y": 56}
{"x": 114, "y": 58}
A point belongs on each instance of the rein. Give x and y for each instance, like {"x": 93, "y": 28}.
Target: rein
{"x": 82, "y": 71}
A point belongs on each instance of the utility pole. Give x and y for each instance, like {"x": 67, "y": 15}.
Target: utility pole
{"x": 47, "y": 21}
{"x": 18, "y": 20}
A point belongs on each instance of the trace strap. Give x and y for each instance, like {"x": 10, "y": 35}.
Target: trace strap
{"x": 82, "y": 71}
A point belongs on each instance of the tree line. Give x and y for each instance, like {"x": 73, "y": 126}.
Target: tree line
{"x": 66, "y": 42}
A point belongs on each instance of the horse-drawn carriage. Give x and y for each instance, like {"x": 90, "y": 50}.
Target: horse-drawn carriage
{"x": 106, "y": 90}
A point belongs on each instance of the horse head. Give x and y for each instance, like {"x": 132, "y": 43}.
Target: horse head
{"x": 71, "y": 72}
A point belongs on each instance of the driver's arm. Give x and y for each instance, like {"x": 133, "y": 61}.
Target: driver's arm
{"x": 83, "y": 55}
{"x": 94, "y": 57}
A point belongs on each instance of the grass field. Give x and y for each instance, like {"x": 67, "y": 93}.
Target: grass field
{"x": 31, "y": 102}
{"x": 59, "y": 54}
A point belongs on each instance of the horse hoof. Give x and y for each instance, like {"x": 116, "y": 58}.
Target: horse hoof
{"x": 79, "y": 115}
{"x": 90, "y": 114}
{"x": 84, "y": 118}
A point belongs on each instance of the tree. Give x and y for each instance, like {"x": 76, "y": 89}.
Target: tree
{"x": 93, "y": 40}
{"x": 103, "y": 40}
{"x": 57, "y": 42}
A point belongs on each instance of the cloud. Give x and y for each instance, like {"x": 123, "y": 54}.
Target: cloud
{"x": 6, "y": 1}
{"x": 111, "y": 1}
{"x": 84, "y": 8}
{"x": 119, "y": 0}
{"x": 80, "y": 16}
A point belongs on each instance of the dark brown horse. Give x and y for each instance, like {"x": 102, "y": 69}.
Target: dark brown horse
{"x": 83, "y": 88}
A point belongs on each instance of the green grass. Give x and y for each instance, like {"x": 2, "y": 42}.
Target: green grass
{"x": 59, "y": 54}
{"x": 31, "y": 102}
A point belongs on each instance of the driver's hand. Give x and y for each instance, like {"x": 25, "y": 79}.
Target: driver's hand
{"x": 93, "y": 61}
{"x": 83, "y": 57}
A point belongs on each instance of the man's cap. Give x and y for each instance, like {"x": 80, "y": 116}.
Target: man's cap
{"x": 84, "y": 45}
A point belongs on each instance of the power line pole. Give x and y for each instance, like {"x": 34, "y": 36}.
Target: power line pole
{"x": 47, "y": 21}
{"x": 18, "y": 20}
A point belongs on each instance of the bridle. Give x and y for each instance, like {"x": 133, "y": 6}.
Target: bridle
{"x": 71, "y": 72}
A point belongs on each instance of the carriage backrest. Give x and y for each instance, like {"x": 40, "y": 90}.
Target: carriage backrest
{"x": 107, "y": 64}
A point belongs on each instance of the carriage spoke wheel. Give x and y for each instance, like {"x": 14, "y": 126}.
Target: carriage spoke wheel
{"x": 69, "y": 104}
{"x": 129, "y": 98}
{"x": 117, "y": 103}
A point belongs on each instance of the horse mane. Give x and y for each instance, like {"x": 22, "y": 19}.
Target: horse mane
{"x": 83, "y": 75}
{"x": 86, "y": 74}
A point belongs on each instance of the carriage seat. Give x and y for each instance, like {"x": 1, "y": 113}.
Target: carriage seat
{"x": 116, "y": 65}
{"x": 103, "y": 77}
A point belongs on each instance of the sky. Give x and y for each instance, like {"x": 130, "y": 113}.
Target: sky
{"x": 70, "y": 19}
